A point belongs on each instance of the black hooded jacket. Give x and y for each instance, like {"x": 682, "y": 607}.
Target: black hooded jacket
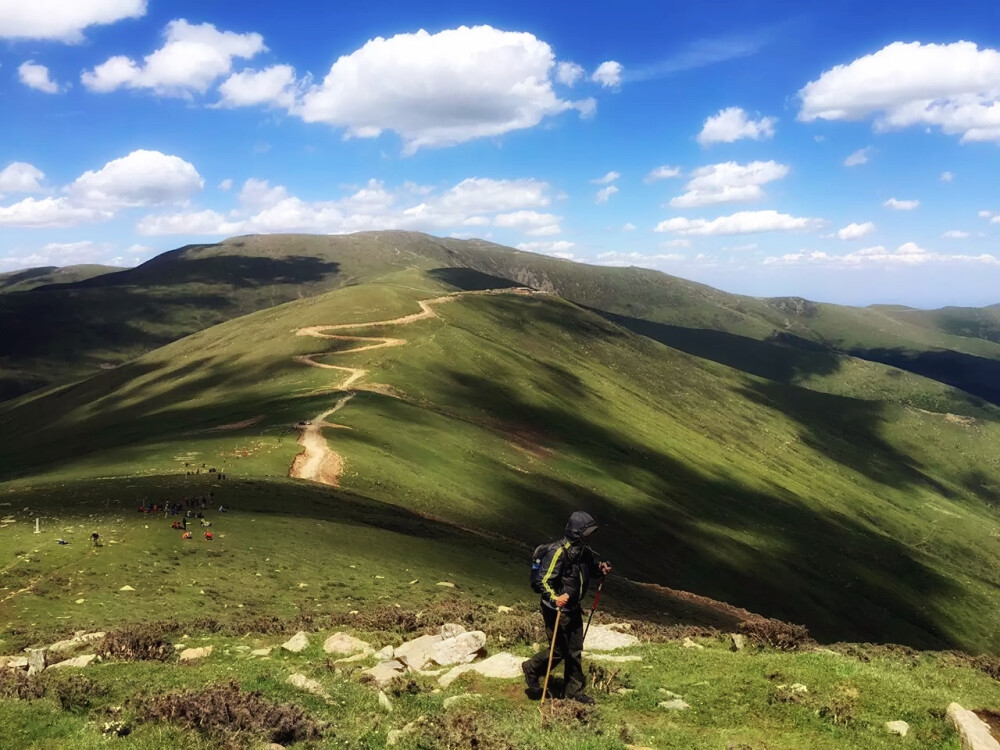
{"x": 570, "y": 564}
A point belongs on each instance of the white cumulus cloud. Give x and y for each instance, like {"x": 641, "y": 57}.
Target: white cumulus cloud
{"x": 49, "y": 213}
{"x": 439, "y": 89}
{"x": 274, "y": 87}
{"x": 732, "y": 124}
{"x": 142, "y": 178}
{"x": 954, "y": 87}
{"x": 36, "y": 77}
{"x": 742, "y": 222}
{"x": 605, "y": 193}
{"x": 62, "y": 20}
{"x": 21, "y": 177}
{"x": 856, "y": 231}
{"x": 907, "y": 254}
{"x": 568, "y": 73}
{"x": 662, "y": 173}
{"x": 608, "y": 74}
{"x": 192, "y": 58}
{"x": 226, "y": 185}
{"x": 899, "y": 205}
{"x": 556, "y": 248}
{"x": 530, "y": 222}
{"x": 607, "y": 179}
{"x": 729, "y": 182}
{"x": 858, "y": 158}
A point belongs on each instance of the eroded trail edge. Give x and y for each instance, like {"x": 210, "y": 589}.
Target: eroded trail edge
{"x": 317, "y": 462}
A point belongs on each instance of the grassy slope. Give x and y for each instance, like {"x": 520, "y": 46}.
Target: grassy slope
{"x": 69, "y": 330}
{"x": 31, "y": 278}
{"x": 862, "y": 519}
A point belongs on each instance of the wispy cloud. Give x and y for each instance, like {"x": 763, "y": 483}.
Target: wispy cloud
{"x": 702, "y": 53}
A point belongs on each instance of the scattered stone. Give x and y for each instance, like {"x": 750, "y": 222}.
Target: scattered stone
{"x": 297, "y": 643}
{"x": 799, "y": 689}
{"x": 898, "y": 727}
{"x": 446, "y": 584}
{"x": 261, "y": 651}
{"x": 79, "y": 661}
{"x": 611, "y": 658}
{"x": 415, "y": 580}
{"x": 36, "y": 661}
{"x": 304, "y": 683}
{"x": 603, "y": 638}
{"x": 670, "y": 693}
{"x": 13, "y": 662}
{"x": 351, "y": 659}
{"x": 385, "y": 671}
{"x": 384, "y": 702}
{"x": 126, "y": 588}
{"x": 79, "y": 639}
{"x": 342, "y": 643}
{"x": 80, "y": 601}
{"x": 675, "y": 705}
{"x": 461, "y": 649}
{"x": 192, "y": 654}
{"x": 463, "y": 698}
{"x": 973, "y": 731}
{"x": 504, "y": 610}
{"x": 688, "y": 643}
{"x": 737, "y": 641}
{"x": 501, "y": 666}
{"x": 385, "y": 654}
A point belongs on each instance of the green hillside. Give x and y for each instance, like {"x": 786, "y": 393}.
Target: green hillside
{"x": 71, "y": 330}
{"x": 32, "y": 278}
{"x": 862, "y": 518}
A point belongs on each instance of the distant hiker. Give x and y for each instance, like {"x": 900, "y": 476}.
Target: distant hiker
{"x": 61, "y": 541}
{"x": 222, "y": 509}
{"x": 94, "y": 538}
{"x": 561, "y": 574}
{"x": 209, "y": 535}
{"x": 186, "y": 535}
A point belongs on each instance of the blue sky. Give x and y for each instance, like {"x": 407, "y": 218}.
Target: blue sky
{"x": 845, "y": 153}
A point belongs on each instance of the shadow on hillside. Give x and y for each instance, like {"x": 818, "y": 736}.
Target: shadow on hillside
{"x": 784, "y": 358}
{"x": 714, "y": 536}
{"x": 979, "y": 376}
{"x": 468, "y": 280}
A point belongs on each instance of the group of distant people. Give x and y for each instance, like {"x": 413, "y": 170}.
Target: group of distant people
{"x": 218, "y": 474}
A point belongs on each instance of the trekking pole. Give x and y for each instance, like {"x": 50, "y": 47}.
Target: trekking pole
{"x": 552, "y": 650}
{"x": 597, "y": 596}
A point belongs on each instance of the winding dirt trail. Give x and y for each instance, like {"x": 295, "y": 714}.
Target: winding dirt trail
{"x": 317, "y": 462}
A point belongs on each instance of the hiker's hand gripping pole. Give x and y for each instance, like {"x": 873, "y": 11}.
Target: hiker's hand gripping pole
{"x": 605, "y": 568}
{"x": 552, "y": 650}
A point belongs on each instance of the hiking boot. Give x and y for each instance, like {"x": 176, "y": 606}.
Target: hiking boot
{"x": 584, "y": 699}
{"x": 534, "y": 690}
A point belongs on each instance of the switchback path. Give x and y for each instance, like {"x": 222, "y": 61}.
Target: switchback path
{"x": 317, "y": 462}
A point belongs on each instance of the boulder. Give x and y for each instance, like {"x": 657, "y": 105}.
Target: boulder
{"x": 77, "y": 640}
{"x": 297, "y": 643}
{"x": 36, "y": 661}
{"x": 193, "y": 654}
{"x": 737, "y": 641}
{"x": 501, "y": 666}
{"x": 416, "y": 653}
{"x": 451, "y": 629}
{"x": 973, "y": 731}
{"x": 898, "y": 727}
{"x": 674, "y": 705}
{"x": 79, "y": 661}
{"x": 304, "y": 683}
{"x": 602, "y": 638}
{"x": 13, "y": 662}
{"x": 385, "y": 671}
{"x": 461, "y": 649}
{"x": 384, "y": 702}
{"x": 385, "y": 654}
{"x": 345, "y": 645}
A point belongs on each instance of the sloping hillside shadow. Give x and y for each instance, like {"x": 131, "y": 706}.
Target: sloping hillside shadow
{"x": 782, "y": 359}
{"x": 714, "y": 536}
{"x": 469, "y": 280}
{"x": 979, "y": 376}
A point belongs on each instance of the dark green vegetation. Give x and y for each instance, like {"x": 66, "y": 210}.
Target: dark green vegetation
{"x": 30, "y": 278}
{"x": 730, "y": 447}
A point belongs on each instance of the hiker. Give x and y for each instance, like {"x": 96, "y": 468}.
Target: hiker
{"x": 562, "y": 579}
{"x": 186, "y": 535}
{"x": 209, "y": 535}
{"x": 94, "y": 538}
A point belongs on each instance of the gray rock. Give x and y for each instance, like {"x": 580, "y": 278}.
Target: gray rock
{"x": 384, "y": 702}
{"x": 688, "y": 643}
{"x": 13, "y": 662}
{"x": 501, "y": 666}
{"x": 669, "y": 693}
{"x": 261, "y": 651}
{"x": 898, "y": 727}
{"x": 446, "y": 584}
{"x": 357, "y": 657}
{"x": 345, "y": 645}
{"x": 737, "y": 641}
{"x": 416, "y": 653}
{"x": 674, "y": 705}
{"x": 972, "y": 730}
{"x": 799, "y": 689}
{"x": 612, "y": 658}
{"x": 193, "y": 654}
{"x": 304, "y": 683}
{"x": 461, "y": 649}
{"x": 79, "y": 661}
{"x": 297, "y": 643}
{"x": 451, "y": 629}
{"x": 385, "y": 671}
{"x": 385, "y": 654}
{"x": 604, "y": 638}
{"x": 77, "y": 640}
{"x": 36, "y": 661}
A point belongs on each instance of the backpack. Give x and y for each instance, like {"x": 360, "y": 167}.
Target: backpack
{"x": 541, "y": 555}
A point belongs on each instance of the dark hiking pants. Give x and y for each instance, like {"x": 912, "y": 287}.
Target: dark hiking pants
{"x": 569, "y": 648}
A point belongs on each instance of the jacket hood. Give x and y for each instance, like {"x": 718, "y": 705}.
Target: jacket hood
{"x": 580, "y": 525}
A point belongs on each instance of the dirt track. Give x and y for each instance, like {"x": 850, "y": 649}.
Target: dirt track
{"x": 317, "y": 462}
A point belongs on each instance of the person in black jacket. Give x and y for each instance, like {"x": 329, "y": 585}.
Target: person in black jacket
{"x": 569, "y": 565}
